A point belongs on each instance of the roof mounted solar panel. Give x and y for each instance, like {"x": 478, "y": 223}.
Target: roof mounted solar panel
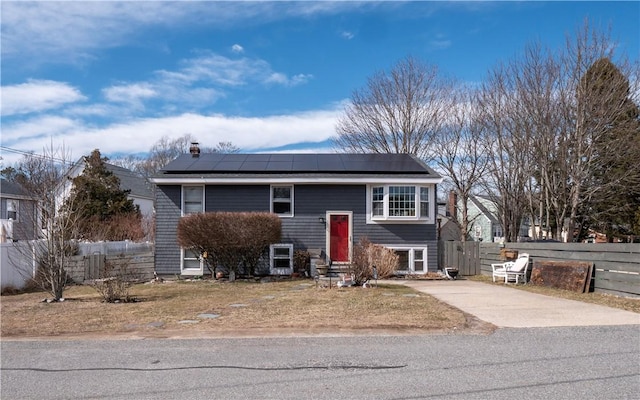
{"x": 298, "y": 163}
{"x": 280, "y": 166}
{"x": 253, "y": 166}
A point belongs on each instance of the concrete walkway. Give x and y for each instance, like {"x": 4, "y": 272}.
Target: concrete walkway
{"x": 513, "y": 308}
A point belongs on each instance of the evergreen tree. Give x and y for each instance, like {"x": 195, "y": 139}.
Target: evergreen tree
{"x": 100, "y": 203}
{"x": 615, "y": 173}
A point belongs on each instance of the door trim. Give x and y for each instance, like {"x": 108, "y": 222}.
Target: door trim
{"x": 328, "y": 233}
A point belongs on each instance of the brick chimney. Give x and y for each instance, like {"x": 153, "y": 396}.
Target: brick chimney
{"x": 453, "y": 204}
{"x": 194, "y": 150}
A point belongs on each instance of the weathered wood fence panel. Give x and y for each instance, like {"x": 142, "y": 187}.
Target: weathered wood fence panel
{"x": 462, "y": 255}
{"x": 131, "y": 266}
{"x": 18, "y": 261}
{"x": 617, "y": 265}
{"x": 93, "y": 264}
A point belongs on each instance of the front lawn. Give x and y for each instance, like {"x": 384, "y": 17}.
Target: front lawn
{"x": 201, "y": 308}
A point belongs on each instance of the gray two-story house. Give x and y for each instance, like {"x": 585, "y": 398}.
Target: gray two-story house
{"x": 325, "y": 201}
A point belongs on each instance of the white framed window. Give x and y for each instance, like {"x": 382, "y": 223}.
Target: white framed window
{"x": 377, "y": 201}
{"x": 403, "y": 260}
{"x": 192, "y": 199}
{"x": 192, "y": 263}
{"x": 282, "y": 200}
{"x": 404, "y": 203}
{"x": 418, "y": 260}
{"x": 281, "y": 258}
{"x": 424, "y": 202}
{"x": 411, "y": 259}
{"x": 12, "y": 209}
{"x": 497, "y": 233}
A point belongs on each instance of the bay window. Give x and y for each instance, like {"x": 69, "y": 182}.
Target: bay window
{"x": 399, "y": 202}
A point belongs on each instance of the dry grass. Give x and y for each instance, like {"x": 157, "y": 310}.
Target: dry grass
{"x": 625, "y": 303}
{"x": 249, "y": 308}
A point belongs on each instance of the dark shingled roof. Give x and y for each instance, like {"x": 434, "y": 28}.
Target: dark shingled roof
{"x": 11, "y": 188}
{"x": 137, "y": 185}
{"x": 298, "y": 164}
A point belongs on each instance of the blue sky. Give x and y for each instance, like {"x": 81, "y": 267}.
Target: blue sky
{"x": 267, "y": 76}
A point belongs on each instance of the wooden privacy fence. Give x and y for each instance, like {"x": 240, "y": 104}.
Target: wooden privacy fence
{"x": 462, "y": 255}
{"x": 616, "y": 265}
{"x": 137, "y": 267}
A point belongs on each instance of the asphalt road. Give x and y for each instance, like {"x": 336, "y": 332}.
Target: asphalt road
{"x": 528, "y": 363}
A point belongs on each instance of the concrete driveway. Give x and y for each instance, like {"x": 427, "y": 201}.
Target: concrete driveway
{"x": 513, "y": 308}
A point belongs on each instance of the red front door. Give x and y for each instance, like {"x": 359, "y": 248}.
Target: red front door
{"x": 339, "y": 237}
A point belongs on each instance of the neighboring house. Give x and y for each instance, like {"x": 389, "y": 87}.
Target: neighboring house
{"x": 326, "y": 201}
{"x": 484, "y": 224}
{"x": 140, "y": 189}
{"x": 18, "y": 213}
{"x": 447, "y": 228}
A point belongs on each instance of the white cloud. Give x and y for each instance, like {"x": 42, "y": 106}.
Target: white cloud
{"x": 347, "y": 35}
{"x": 236, "y": 48}
{"x": 70, "y": 32}
{"x": 300, "y": 79}
{"x": 131, "y": 96}
{"x": 440, "y": 42}
{"x": 216, "y": 69}
{"x": 129, "y": 93}
{"x": 209, "y": 76}
{"x": 282, "y": 79}
{"x": 36, "y": 96}
{"x": 138, "y": 135}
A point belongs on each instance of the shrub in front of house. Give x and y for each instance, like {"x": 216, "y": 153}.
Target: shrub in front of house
{"x": 230, "y": 239}
{"x": 366, "y": 255}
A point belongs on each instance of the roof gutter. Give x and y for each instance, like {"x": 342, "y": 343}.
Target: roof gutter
{"x": 293, "y": 180}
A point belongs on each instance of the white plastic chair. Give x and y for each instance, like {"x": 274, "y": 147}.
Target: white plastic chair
{"x": 512, "y": 270}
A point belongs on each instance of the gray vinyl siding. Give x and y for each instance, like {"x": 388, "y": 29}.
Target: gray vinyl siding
{"x": 237, "y": 198}
{"x": 312, "y": 202}
{"x": 26, "y": 226}
{"x": 217, "y": 198}
{"x": 304, "y": 230}
{"x": 167, "y": 259}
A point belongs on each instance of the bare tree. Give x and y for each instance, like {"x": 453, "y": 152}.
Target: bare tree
{"x": 546, "y": 122}
{"x": 506, "y": 148}
{"x": 458, "y": 153}
{"x": 130, "y": 162}
{"x": 536, "y": 75}
{"x": 42, "y": 176}
{"x": 223, "y": 147}
{"x": 397, "y": 112}
{"x": 590, "y": 111}
{"x": 166, "y": 150}
{"x": 163, "y": 152}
